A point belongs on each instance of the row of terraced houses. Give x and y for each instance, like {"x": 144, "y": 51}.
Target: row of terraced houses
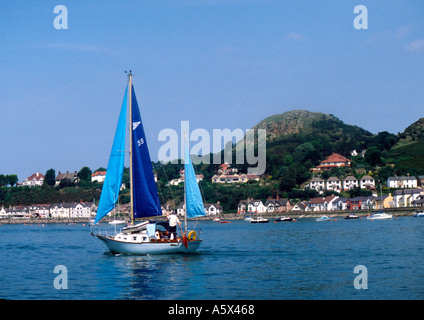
{"x": 400, "y": 199}
{"x": 55, "y": 210}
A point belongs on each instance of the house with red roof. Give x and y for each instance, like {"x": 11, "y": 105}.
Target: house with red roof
{"x": 335, "y": 160}
{"x": 98, "y": 176}
{"x": 36, "y": 179}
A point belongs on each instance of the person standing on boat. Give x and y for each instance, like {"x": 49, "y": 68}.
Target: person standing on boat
{"x": 173, "y": 221}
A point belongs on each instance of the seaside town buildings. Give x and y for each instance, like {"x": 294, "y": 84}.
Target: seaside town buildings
{"x": 56, "y": 210}
{"x": 407, "y": 191}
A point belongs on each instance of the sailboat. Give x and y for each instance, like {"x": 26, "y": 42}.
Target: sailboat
{"x": 147, "y": 237}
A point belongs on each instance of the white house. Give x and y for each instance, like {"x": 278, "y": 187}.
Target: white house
{"x": 368, "y": 203}
{"x": 367, "y": 182}
{"x": 321, "y": 204}
{"x": 80, "y": 210}
{"x": 212, "y": 209}
{"x": 404, "y": 198}
{"x": 60, "y": 210}
{"x": 316, "y": 183}
{"x": 36, "y": 179}
{"x": 300, "y": 206}
{"x": 98, "y": 176}
{"x": 334, "y": 184}
{"x": 340, "y": 204}
{"x": 278, "y": 204}
{"x": 40, "y": 210}
{"x": 251, "y": 205}
{"x": 4, "y": 213}
{"x": 18, "y": 212}
{"x": 402, "y": 182}
{"x": 350, "y": 182}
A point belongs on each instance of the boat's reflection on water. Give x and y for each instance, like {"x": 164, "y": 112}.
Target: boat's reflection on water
{"x": 159, "y": 276}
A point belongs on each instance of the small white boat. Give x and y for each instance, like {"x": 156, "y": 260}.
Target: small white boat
{"x": 323, "y": 218}
{"x": 248, "y": 218}
{"x": 380, "y": 216}
{"x": 419, "y": 213}
{"x": 284, "y": 219}
{"x": 259, "y": 220}
{"x": 351, "y": 216}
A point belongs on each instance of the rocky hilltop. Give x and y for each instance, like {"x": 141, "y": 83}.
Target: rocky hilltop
{"x": 415, "y": 131}
{"x": 290, "y": 122}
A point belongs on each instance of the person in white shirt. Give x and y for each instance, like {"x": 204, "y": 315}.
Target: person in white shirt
{"x": 173, "y": 221}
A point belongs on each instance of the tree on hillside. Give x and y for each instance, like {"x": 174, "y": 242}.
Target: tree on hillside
{"x": 84, "y": 174}
{"x": 2, "y": 180}
{"x": 373, "y": 156}
{"x": 12, "y": 179}
{"x": 49, "y": 177}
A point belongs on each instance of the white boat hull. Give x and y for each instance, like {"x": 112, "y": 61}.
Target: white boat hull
{"x": 259, "y": 221}
{"x": 380, "y": 217}
{"x": 153, "y": 248}
{"x": 419, "y": 214}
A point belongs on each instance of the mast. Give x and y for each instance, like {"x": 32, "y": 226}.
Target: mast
{"x": 185, "y": 186}
{"x": 381, "y": 192}
{"x": 131, "y": 163}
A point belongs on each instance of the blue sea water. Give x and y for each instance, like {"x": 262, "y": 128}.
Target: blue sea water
{"x": 238, "y": 260}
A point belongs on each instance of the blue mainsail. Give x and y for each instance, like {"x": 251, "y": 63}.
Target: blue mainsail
{"x": 145, "y": 195}
{"x": 194, "y": 201}
{"x": 115, "y": 167}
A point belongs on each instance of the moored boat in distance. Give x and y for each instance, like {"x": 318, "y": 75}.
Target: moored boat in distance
{"x": 380, "y": 216}
{"x": 284, "y": 219}
{"x": 259, "y": 220}
{"x": 351, "y": 216}
{"x": 323, "y": 218}
{"x": 248, "y": 218}
{"x": 419, "y": 213}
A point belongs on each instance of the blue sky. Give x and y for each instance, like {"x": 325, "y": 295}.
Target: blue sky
{"x": 218, "y": 64}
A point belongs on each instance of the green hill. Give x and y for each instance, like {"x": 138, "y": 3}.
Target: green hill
{"x": 305, "y": 138}
{"x": 407, "y": 156}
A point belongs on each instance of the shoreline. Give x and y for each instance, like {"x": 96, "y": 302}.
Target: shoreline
{"x": 397, "y": 212}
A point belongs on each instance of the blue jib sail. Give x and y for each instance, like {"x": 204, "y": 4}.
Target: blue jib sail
{"x": 115, "y": 167}
{"x": 145, "y": 195}
{"x": 194, "y": 201}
